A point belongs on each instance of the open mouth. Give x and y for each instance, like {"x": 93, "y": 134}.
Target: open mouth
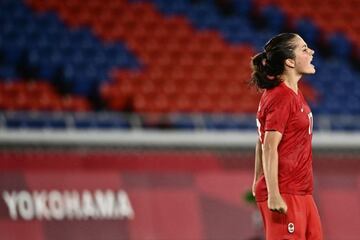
{"x": 311, "y": 62}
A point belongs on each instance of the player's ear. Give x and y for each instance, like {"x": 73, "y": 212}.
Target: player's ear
{"x": 290, "y": 63}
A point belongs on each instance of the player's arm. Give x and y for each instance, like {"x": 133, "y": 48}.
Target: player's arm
{"x": 258, "y": 171}
{"x": 270, "y": 168}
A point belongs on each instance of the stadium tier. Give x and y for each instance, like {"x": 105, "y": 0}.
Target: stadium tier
{"x": 164, "y": 57}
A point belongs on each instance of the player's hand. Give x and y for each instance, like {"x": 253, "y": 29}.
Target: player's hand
{"x": 276, "y": 203}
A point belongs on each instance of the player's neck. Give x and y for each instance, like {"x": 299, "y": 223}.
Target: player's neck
{"x": 291, "y": 82}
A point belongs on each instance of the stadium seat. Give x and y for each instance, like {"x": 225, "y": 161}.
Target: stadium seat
{"x": 177, "y": 49}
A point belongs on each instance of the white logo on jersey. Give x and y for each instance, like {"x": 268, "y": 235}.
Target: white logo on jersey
{"x": 291, "y": 228}
{"x": 311, "y": 122}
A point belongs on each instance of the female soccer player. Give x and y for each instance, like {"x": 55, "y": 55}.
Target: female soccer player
{"x": 283, "y": 181}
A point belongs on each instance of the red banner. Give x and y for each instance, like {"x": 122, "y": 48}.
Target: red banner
{"x": 166, "y": 195}
{"x": 104, "y": 195}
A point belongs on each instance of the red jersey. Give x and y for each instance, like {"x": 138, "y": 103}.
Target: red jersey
{"x": 281, "y": 109}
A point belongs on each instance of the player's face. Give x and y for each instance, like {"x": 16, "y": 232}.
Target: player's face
{"x": 303, "y": 57}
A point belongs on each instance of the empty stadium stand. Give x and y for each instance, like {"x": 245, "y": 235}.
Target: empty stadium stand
{"x": 165, "y": 57}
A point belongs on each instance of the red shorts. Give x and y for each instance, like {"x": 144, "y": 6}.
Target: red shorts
{"x": 301, "y": 222}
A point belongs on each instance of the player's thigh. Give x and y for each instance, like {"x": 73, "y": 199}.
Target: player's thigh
{"x": 296, "y": 221}
{"x": 314, "y": 228}
{"x": 291, "y": 225}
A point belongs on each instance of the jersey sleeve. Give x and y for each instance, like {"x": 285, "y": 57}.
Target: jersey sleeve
{"x": 278, "y": 114}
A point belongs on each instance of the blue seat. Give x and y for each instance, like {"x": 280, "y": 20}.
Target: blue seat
{"x": 56, "y": 121}
{"x": 335, "y": 105}
{"x": 199, "y": 11}
{"x": 209, "y": 22}
{"x": 243, "y": 7}
{"x": 13, "y": 120}
{"x": 308, "y": 31}
{"x": 25, "y": 120}
{"x": 172, "y": 7}
{"x": 84, "y": 86}
{"x": 340, "y": 45}
{"x": 43, "y": 60}
{"x": 112, "y": 121}
{"x": 236, "y": 30}
{"x": 229, "y": 122}
{"x": 84, "y": 121}
{"x": 183, "y": 122}
{"x": 260, "y": 40}
{"x": 218, "y": 122}
{"x": 274, "y": 17}
{"x": 242, "y": 122}
{"x": 12, "y": 46}
{"x": 35, "y": 121}
{"x": 8, "y": 72}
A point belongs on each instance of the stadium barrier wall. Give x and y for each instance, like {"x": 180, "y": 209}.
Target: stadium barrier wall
{"x": 116, "y": 192}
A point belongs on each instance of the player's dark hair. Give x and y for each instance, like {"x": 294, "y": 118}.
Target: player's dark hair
{"x": 269, "y": 64}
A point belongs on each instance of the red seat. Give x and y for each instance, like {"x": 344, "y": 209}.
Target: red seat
{"x": 45, "y": 103}
{"x": 151, "y": 104}
{"x": 77, "y": 104}
{"x": 181, "y": 103}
